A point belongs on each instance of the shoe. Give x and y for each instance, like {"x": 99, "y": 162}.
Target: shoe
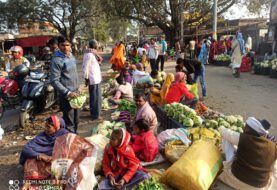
{"x": 202, "y": 98}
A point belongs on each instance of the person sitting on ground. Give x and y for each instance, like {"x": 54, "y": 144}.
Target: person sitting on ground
{"x": 138, "y": 73}
{"x": 145, "y": 111}
{"x": 126, "y": 75}
{"x": 178, "y": 92}
{"x": 120, "y": 165}
{"x": 252, "y": 165}
{"x": 145, "y": 143}
{"x": 147, "y": 81}
{"x": 36, "y": 155}
{"x": 180, "y": 68}
{"x": 124, "y": 90}
{"x": 157, "y": 97}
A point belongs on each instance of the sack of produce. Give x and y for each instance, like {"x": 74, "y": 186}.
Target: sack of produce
{"x": 73, "y": 160}
{"x": 193, "y": 89}
{"x": 100, "y": 141}
{"x": 201, "y": 133}
{"x": 78, "y": 102}
{"x": 174, "y": 150}
{"x": 196, "y": 169}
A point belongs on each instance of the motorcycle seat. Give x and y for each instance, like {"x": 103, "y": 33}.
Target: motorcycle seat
{"x": 38, "y": 75}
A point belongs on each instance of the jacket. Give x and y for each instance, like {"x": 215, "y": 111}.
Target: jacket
{"x": 64, "y": 75}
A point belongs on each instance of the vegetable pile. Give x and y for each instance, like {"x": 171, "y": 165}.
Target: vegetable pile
{"x": 263, "y": 64}
{"x": 125, "y": 105}
{"x": 106, "y": 128}
{"x": 222, "y": 57}
{"x": 78, "y": 102}
{"x": 149, "y": 184}
{"x": 160, "y": 79}
{"x": 274, "y": 64}
{"x": 183, "y": 114}
{"x": 233, "y": 122}
{"x": 105, "y": 104}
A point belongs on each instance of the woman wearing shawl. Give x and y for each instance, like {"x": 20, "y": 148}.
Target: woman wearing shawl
{"x": 121, "y": 168}
{"x": 238, "y": 52}
{"x": 157, "y": 97}
{"x": 118, "y": 56}
{"x": 36, "y": 155}
{"x": 178, "y": 92}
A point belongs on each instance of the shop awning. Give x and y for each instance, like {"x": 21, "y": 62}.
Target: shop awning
{"x": 33, "y": 41}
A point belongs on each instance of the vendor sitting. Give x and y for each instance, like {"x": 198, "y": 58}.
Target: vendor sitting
{"x": 145, "y": 143}
{"x": 126, "y": 75}
{"x": 157, "y": 97}
{"x": 36, "y": 155}
{"x": 138, "y": 73}
{"x": 145, "y": 111}
{"x": 121, "y": 167}
{"x": 251, "y": 167}
{"x": 124, "y": 90}
{"x": 270, "y": 55}
{"x": 178, "y": 92}
{"x": 147, "y": 81}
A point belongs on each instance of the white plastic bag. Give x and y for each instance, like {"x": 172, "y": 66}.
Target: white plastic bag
{"x": 173, "y": 134}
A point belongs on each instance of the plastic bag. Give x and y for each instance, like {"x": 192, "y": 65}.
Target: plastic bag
{"x": 201, "y": 133}
{"x": 193, "y": 89}
{"x": 173, "y": 134}
{"x": 174, "y": 150}
{"x": 74, "y": 160}
{"x": 100, "y": 141}
{"x": 196, "y": 169}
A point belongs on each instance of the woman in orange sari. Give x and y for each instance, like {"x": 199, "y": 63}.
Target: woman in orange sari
{"x": 157, "y": 97}
{"x": 117, "y": 58}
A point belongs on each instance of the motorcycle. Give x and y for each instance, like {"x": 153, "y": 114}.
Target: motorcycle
{"x": 38, "y": 96}
{"x": 10, "y": 96}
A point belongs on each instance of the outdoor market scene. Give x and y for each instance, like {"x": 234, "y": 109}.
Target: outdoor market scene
{"x": 143, "y": 95}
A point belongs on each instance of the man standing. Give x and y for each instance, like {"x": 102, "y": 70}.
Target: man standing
{"x": 192, "y": 48}
{"x": 177, "y": 48}
{"x": 153, "y": 54}
{"x": 162, "y": 50}
{"x": 93, "y": 78}
{"x": 64, "y": 78}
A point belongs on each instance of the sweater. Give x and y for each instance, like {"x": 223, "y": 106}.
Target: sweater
{"x": 254, "y": 160}
{"x": 176, "y": 92}
{"x": 64, "y": 75}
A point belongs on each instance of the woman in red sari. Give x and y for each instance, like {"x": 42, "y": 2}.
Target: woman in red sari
{"x": 213, "y": 51}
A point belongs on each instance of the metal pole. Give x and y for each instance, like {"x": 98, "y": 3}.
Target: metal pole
{"x": 182, "y": 28}
{"x": 215, "y": 20}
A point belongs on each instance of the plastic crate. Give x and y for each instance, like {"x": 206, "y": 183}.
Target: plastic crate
{"x": 273, "y": 74}
{"x": 221, "y": 63}
{"x": 162, "y": 117}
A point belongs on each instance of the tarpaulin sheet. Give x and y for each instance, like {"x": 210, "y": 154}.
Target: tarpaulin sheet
{"x": 33, "y": 41}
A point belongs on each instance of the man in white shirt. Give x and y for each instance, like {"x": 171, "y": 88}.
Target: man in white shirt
{"x": 93, "y": 78}
{"x": 153, "y": 54}
{"x": 162, "y": 51}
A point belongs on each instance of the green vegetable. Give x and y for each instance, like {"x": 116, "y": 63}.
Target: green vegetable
{"x": 149, "y": 184}
{"x": 188, "y": 122}
{"x": 125, "y": 105}
{"x": 78, "y": 102}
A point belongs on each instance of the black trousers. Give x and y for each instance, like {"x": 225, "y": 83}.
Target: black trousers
{"x": 191, "y": 103}
{"x": 160, "y": 58}
{"x": 95, "y": 100}
{"x": 153, "y": 64}
{"x": 70, "y": 116}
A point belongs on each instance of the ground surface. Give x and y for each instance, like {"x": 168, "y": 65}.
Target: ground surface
{"x": 250, "y": 95}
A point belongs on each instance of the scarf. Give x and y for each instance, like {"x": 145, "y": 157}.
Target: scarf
{"x": 43, "y": 143}
{"x": 241, "y": 43}
{"x": 179, "y": 77}
{"x": 122, "y": 150}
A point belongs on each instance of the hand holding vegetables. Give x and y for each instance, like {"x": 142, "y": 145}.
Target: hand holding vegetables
{"x": 73, "y": 95}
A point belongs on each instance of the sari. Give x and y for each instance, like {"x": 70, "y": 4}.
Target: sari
{"x": 118, "y": 57}
{"x": 158, "y": 96}
{"x": 41, "y": 144}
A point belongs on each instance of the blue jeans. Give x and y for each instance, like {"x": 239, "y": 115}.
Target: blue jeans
{"x": 201, "y": 73}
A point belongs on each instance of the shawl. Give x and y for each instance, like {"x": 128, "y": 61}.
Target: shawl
{"x": 42, "y": 143}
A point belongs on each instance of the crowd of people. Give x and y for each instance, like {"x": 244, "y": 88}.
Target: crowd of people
{"x": 138, "y": 143}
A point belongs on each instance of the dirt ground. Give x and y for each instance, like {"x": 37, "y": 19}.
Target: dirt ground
{"x": 250, "y": 95}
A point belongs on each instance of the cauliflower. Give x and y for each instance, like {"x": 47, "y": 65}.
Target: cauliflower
{"x": 188, "y": 122}
{"x": 231, "y": 119}
{"x": 197, "y": 120}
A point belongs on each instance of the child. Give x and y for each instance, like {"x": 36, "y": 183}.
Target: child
{"x": 144, "y": 60}
{"x": 121, "y": 167}
{"x": 145, "y": 144}
{"x": 126, "y": 75}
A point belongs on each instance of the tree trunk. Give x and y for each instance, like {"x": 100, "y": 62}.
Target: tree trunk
{"x": 170, "y": 35}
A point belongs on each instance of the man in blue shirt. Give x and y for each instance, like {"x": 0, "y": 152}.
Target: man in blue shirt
{"x": 64, "y": 78}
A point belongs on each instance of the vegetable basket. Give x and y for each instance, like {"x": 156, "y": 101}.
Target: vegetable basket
{"x": 221, "y": 63}
{"x": 162, "y": 117}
